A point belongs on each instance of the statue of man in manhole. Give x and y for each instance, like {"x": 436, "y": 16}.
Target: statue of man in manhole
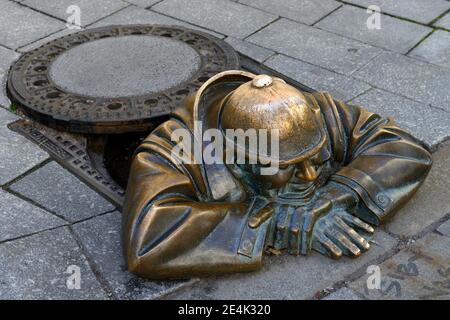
{"x": 339, "y": 171}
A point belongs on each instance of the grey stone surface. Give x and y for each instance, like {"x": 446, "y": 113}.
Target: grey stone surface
{"x": 19, "y": 218}
{"x": 341, "y": 87}
{"x": 444, "y": 228}
{"x": 342, "y": 294}
{"x": 21, "y": 25}
{"x": 136, "y": 15}
{"x": 424, "y": 11}
{"x": 4, "y": 100}
{"x": 409, "y": 77}
{"x": 431, "y": 125}
{"x": 101, "y": 239}
{"x": 6, "y": 58}
{"x": 249, "y": 49}
{"x": 417, "y": 272}
{"x": 125, "y": 66}
{"x": 17, "y": 153}
{"x": 435, "y": 49}
{"x": 90, "y": 11}
{"x": 395, "y": 34}
{"x": 61, "y": 192}
{"x": 37, "y": 267}
{"x": 143, "y": 3}
{"x": 305, "y": 11}
{"x": 430, "y": 203}
{"x": 444, "y": 22}
{"x": 51, "y": 37}
{"x": 285, "y": 276}
{"x": 315, "y": 46}
{"x": 226, "y": 17}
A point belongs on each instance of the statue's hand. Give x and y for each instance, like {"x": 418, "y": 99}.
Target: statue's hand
{"x": 340, "y": 233}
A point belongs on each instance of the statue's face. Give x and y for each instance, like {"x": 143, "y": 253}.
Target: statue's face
{"x": 303, "y": 172}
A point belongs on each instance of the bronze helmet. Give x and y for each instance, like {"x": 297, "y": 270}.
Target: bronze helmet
{"x": 270, "y": 103}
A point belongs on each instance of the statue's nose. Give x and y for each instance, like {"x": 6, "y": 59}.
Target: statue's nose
{"x": 306, "y": 171}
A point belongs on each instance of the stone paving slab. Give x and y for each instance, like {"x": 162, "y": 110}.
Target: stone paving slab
{"x": 226, "y": 17}
{"x": 143, "y": 3}
{"x": 431, "y": 125}
{"x": 4, "y": 100}
{"x": 435, "y": 49}
{"x": 21, "y": 25}
{"x": 7, "y": 57}
{"x": 19, "y": 218}
{"x": 286, "y": 277}
{"x": 444, "y": 22}
{"x": 418, "y": 272}
{"x": 444, "y": 228}
{"x": 249, "y": 49}
{"x": 305, "y": 11}
{"x": 430, "y": 203}
{"x": 57, "y": 190}
{"x": 343, "y": 294}
{"x": 136, "y": 15}
{"x": 409, "y": 77}
{"x": 101, "y": 238}
{"x": 341, "y": 87}
{"x": 395, "y": 34}
{"x": 424, "y": 11}
{"x": 315, "y": 46}
{"x": 36, "y": 267}
{"x": 90, "y": 11}
{"x": 45, "y": 40}
{"x": 17, "y": 153}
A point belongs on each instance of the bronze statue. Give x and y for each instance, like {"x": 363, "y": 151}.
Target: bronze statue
{"x": 341, "y": 170}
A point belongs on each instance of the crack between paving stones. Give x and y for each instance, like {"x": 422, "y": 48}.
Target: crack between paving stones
{"x": 189, "y": 23}
{"x": 27, "y": 172}
{"x": 109, "y": 15}
{"x": 32, "y": 234}
{"x": 328, "y": 14}
{"x": 97, "y": 273}
{"x": 420, "y": 42}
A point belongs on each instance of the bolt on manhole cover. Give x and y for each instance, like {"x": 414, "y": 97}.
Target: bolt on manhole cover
{"x": 115, "y": 79}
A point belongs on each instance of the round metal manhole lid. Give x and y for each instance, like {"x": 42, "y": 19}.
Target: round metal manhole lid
{"x": 115, "y": 79}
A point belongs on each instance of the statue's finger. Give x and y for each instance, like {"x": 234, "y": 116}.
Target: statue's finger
{"x": 322, "y": 207}
{"x": 362, "y": 243}
{"x": 282, "y": 227}
{"x": 332, "y": 249}
{"x": 294, "y": 233}
{"x": 261, "y": 216}
{"x": 358, "y": 223}
{"x": 348, "y": 247}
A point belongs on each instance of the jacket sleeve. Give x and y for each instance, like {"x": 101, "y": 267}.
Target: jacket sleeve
{"x": 381, "y": 162}
{"x": 169, "y": 231}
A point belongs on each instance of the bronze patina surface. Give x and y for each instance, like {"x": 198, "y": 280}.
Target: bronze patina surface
{"x": 343, "y": 170}
{"x": 87, "y": 82}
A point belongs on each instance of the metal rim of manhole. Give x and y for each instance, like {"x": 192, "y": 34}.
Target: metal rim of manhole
{"x": 32, "y": 88}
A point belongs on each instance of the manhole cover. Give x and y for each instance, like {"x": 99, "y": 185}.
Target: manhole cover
{"x": 115, "y": 79}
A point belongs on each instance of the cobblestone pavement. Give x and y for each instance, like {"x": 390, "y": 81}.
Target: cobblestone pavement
{"x": 51, "y": 222}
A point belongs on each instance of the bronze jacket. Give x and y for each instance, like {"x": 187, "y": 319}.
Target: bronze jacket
{"x": 182, "y": 220}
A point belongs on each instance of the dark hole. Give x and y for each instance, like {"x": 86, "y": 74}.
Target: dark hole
{"x": 183, "y": 91}
{"x": 40, "y": 68}
{"x": 150, "y": 102}
{"x": 136, "y": 32}
{"x": 114, "y": 106}
{"x": 104, "y": 36}
{"x": 203, "y": 79}
{"x": 40, "y": 83}
{"x": 166, "y": 35}
{"x": 53, "y": 95}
